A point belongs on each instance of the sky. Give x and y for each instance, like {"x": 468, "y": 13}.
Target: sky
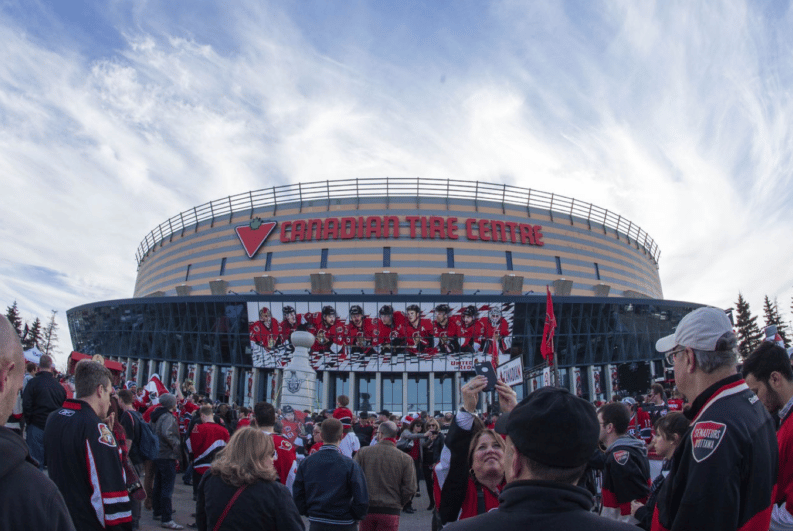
{"x": 115, "y": 116}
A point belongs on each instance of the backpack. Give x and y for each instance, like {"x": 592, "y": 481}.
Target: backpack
{"x": 149, "y": 442}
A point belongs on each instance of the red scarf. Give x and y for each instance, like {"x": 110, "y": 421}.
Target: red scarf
{"x": 392, "y": 439}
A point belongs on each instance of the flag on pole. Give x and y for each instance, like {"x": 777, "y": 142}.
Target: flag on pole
{"x": 155, "y": 388}
{"x": 546, "y": 348}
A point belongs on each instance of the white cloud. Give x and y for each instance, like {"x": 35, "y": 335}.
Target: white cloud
{"x": 676, "y": 116}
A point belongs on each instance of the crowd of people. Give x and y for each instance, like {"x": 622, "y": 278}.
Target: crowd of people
{"x": 105, "y": 456}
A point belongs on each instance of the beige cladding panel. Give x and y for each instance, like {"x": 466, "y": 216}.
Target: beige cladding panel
{"x": 640, "y": 268}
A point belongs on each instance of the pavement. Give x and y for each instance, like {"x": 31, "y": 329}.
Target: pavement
{"x": 184, "y": 506}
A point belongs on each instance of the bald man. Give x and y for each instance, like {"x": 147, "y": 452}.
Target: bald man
{"x": 27, "y": 496}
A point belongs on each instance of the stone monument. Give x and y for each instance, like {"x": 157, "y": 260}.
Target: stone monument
{"x": 300, "y": 379}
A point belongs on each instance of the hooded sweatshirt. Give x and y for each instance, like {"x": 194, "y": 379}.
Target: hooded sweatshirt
{"x": 28, "y": 498}
{"x": 626, "y": 477}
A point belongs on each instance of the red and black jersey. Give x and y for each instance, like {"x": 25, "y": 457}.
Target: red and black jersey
{"x": 495, "y": 337}
{"x": 290, "y": 430}
{"x": 446, "y": 337}
{"x": 675, "y": 404}
{"x": 723, "y": 472}
{"x": 84, "y": 461}
{"x": 783, "y": 490}
{"x": 286, "y": 331}
{"x": 265, "y": 336}
{"x": 206, "y": 441}
{"x": 286, "y": 459}
{"x": 418, "y": 337}
{"x": 470, "y": 336}
{"x": 626, "y": 476}
{"x": 329, "y": 337}
{"x": 640, "y": 426}
{"x": 387, "y": 336}
{"x": 360, "y": 338}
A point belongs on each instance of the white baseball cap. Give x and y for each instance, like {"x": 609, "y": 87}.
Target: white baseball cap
{"x": 701, "y": 330}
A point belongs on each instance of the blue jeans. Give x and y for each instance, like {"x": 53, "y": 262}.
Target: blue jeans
{"x": 164, "y": 479}
{"x": 35, "y": 440}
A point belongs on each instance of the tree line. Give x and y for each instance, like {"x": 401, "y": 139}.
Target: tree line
{"x": 35, "y": 334}
{"x": 749, "y": 334}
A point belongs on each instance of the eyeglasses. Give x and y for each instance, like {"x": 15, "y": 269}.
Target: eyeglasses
{"x": 670, "y": 356}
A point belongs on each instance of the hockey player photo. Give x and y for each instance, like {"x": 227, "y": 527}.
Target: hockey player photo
{"x": 385, "y": 333}
{"x": 445, "y": 331}
{"x": 292, "y": 322}
{"x": 330, "y": 334}
{"x": 265, "y": 337}
{"x": 359, "y": 335}
{"x": 470, "y": 330}
{"x": 417, "y": 332}
{"x": 496, "y": 338}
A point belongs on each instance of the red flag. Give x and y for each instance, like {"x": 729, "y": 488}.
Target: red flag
{"x": 546, "y": 348}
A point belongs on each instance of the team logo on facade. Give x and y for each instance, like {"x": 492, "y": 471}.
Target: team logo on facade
{"x": 106, "y": 436}
{"x": 621, "y": 456}
{"x": 293, "y": 384}
{"x": 705, "y": 438}
{"x": 253, "y": 235}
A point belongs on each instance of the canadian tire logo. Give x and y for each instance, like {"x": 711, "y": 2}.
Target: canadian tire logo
{"x": 254, "y": 234}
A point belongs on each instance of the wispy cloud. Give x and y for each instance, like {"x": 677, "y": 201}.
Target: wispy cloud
{"x": 675, "y": 115}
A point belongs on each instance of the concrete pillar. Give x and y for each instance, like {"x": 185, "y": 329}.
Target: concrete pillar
{"x": 457, "y": 398}
{"x": 256, "y": 377}
{"x": 571, "y": 380}
{"x": 279, "y": 386}
{"x": 165, "y": 375}
{"x": 431, "y": 384}
{"x": 153, "y": 370}
{"x": 404, "y": 393}
{"x": 590, "y": 378}
{"x": 235, "y": 376}
{"x": 353, "y": 390}
{"x": 139, "y": 377}
{"x": 180, "y": 372}
{"x": 325, "y": 389}
{"x": 377, "y": 403}
{"x": 607, "y": 383}
{"x": 215, "y": 381}
{"x": 128, "y": 370}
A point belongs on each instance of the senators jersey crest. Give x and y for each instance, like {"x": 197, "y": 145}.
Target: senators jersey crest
{"x": 106, "y": 436}
{"x": 705, "y": 438}
{"x": 621, "y": 456}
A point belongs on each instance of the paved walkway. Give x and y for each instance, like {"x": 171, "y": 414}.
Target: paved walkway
{"x": 185, "y": 506}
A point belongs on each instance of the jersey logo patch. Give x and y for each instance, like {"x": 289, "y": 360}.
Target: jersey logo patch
{"x": 66, "y": 412}
{"x": 705, "y": 438}
{"x": 621, "y": 456}
{"x": 106, "y": 436}
{"x": 285, "y": 445}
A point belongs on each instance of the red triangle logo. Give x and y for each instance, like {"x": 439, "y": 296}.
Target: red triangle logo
{"x": 253, "y": 235}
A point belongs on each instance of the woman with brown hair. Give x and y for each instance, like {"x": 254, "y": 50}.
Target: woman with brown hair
{"x": 476, "y": 466}
{"x": 433, "y": 446}
{"x": 242, "y": 491}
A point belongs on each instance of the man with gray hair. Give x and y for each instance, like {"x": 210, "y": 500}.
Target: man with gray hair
{"x": 42, "y": 395}
{"x": 83, "y": 457}
{"x": 723, "y": 473}
{"x": 390, "y": 480}
{"x": 28, "y": 498}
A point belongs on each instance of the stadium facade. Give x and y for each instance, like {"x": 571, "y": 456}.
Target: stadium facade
{"x": 406, "y": 284}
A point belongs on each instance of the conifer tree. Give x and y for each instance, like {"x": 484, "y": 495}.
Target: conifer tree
{"x": 749, "y": 335}
{"x": 772, "y": 317}
{"x": 12, "y": 313}
{"x": 49, "y": 338}
{"x": 33, "y": 336}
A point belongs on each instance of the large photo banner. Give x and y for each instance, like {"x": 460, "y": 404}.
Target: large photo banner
{"x": 383, "y": 336}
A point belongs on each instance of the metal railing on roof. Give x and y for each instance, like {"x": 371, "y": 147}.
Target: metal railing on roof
{"x": 415, "y": 188}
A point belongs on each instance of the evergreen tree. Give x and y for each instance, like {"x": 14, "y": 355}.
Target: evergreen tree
{"x": 772, "y": 317}
{"x": 33, "y": 336}
{"x": 12, "y": 313}
{"x": 49, "y": 338}
{"x": 749, "y": 335}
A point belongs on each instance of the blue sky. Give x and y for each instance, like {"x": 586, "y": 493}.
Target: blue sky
{"x": 115, "y": 116}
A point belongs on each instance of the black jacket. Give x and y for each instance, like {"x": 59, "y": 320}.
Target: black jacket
{"x": 43, "y": 395}
{"x": 262, "y": 506}
{"x": 724, "y": 470}
{"x": 28, "y": 498}
{"x": 330, "y": 488}
{"x": 541, "y": 505}
{"x": 84, "y": 460}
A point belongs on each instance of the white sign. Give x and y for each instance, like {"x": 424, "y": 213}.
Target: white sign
{"x": 511, "y": 372}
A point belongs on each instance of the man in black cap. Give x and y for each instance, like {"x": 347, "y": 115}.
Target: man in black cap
{"x": 550, "y": 436}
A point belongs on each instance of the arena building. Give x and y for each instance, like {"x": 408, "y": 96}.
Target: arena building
{"x": 406, "y": 284}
